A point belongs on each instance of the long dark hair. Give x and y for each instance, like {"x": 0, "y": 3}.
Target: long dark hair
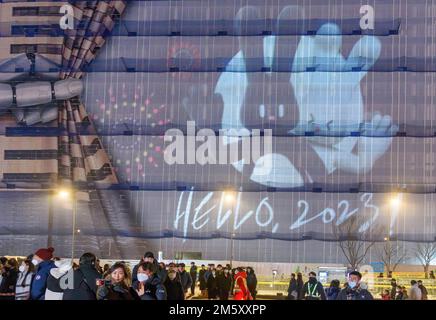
{"x": 299, "y": 277}
{"x": 335, "y": 284}
{"x": 29, "y": 263}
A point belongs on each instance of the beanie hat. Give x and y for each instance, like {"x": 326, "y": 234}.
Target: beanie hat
{"x": 45, "y": 254}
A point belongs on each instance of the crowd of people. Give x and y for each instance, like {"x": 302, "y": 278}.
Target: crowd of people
{"x": 353, "y": 289}
{"x": 41, "y": 276}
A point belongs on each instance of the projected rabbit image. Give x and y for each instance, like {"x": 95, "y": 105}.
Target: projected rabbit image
{"x": 326, "y": 103}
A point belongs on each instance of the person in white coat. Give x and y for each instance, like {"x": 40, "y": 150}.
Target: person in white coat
{"x": 414, "y": 291}
{"x": 58, "y": 279}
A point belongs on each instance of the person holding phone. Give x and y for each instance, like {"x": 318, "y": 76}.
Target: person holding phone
{"x": 116, "y": 285}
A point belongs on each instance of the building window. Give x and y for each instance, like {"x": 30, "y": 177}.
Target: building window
{"x": 30, "y": 154}
{"x": 28, "y": 177}
{"x": 30, "y": 30}
{"x": 36, "y": 11}
{"x": 36, "y": 48}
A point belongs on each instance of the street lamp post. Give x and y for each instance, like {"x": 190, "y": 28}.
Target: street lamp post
{"x": 231, "y": 249}
{"x": 71, "y": 195}
{"x": 393, "y": 214}
{"x": 73, "y": 199}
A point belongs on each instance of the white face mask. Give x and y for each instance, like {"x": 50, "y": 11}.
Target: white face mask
{"x": 142, "y": 277}
{"x": 35, "y": 262}
{"x": 22, "y": 268}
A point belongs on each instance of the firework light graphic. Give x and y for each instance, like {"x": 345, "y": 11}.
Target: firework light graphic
{"x": 132, "y": 107}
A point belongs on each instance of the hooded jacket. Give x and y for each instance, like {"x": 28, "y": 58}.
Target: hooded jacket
{"x": 241, "y": 289}
{"x": 39, "y": 283}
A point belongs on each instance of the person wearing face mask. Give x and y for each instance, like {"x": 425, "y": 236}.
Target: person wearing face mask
{"x": 212, "y": 285}
{"x": 149, "y": 284}
{"x": 174, "y": 287}
{"x": 148, "y": 257}
{"x": 42, "y": 261}
{"x": 224, "y": 282}
{"x": 85, "y": 277}
{"x": 313, "y": 289}
{"x": 354, "y": 290}
{"x": 9, "y": 275}
{"x": 56, "y": 280}
{"x": 25, "y": 276}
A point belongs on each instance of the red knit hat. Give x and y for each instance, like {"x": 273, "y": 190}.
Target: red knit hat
{"x": 45, "y": 254}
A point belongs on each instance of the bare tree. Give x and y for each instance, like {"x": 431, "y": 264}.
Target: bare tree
{"x": 426, "y": 252}
{"x": 391, "y": 254}
{"x": 354, "y": 242}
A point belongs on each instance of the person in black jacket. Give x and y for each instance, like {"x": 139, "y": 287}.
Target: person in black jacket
{"x": 224, "y": 283}
{"x": 9, "y": 279}
{"x": 85, "y": 280}
{"x": 251, "y": 282}
{"x": 173, "y": 287}
{"x": 202, "y": 280}
{"x": 313, "y": 289}
{"x": 300, "y": 285}
{"x": 185, "y": 278}
{"x": 353, "y": 291}
{"x": 212, "y": 286}
{"x": 292, "y": 289}
{"x": 193, "y": 273}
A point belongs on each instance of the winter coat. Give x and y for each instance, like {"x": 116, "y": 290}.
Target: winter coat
{"x": 174, "y": 289}
{"x": 39, "y": 283}
{"x": 424, "y": 292}
{"x": 415, "y": 293}
{"x": 7, "y": 286}
{"x": 252, "y": 283}
{"x": 202, "y": 279}
{"x": 212, "y": 286}
{"x": 224, "y": 283}
{"x": 85, "y": 284}
{"x": 154, "y": 289}
{"x": 241, "y": 289}
{"x": 292, "y": 289}
{"x": 186, "y": 280}
{"x": 332, "y": 293}
{"x": 116, "y": 292}
{"x": 22, "y": 288}
{"x": 354, "y": 294}
{"x": 193, "y": 273}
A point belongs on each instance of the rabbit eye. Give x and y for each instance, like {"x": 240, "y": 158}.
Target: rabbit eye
{"x": 281, "y": 111}
{"x": 262, "y": 111}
